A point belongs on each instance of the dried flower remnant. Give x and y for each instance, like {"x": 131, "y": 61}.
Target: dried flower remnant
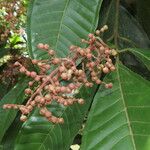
{"x": 45, "y": 88}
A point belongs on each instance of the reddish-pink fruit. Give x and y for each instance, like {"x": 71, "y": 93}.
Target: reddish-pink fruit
{"x": 51, "y": 52}
{"x": 56, "y": 61}
{"x": 63, "y": 89}
{"x": 22, "y": 69}
{"x": 47, "y": 96}
{"x": 42, "y": 111}
{"x": 72, "y": 47}
{"x": 28, "y": 73}
{"x": 105, "y": 70}
{"x": 23, "y": 118}
{"x": 71, "y": 86}
{"x": 46, "y": 46}
{"x": 32, "y": 103}
{"x": 93, "y": 74}
{"x": 47, "y": 67}
{"x": 61, "y": 120}
{"x": 109, "y": 85}
{"x": 42, "y": 100}
{"x": 58, "y": 89}
{"x": 107, "y": 51}
{"x": 30, "y": 83}
{"x": 112, "y": 68}
{"x": 37, "y": 78}
{"x": 34, "y": 61}
{"x": 33, "y": 74}
{"x": 90, "y": 35}
{"x": 89, "y": 55}
{"x": 16, "y": 63}
{"x": 64, "y": 76}
{"x": 92, "y": 64}
{"x": 98, "y": 81}
{"x": 48, "y": 114}
{"x": 30, "y": 107}
{"x": 81, "y": 101}
{"x": 28, "y": 91}
{"x": 40, "y": 46}
{"x": 62, "y": 68}
{"x": 97, "y": 32}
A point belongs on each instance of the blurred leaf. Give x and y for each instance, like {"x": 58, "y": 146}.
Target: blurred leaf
{"x": 143, "y": 55}
{"x": 119, "y": 118}
{"x": 135, "y": 64}
{"x": 122, "y": 26}
{"x": 143, "y": 14}
{"x": 60, "y": 23}
{"x": 16, "y": 95}
{"x": 3, "y": 51}
{"x": 10, "y": 136}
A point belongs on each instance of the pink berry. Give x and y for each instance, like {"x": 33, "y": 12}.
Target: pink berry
{"x": 89, "y": 55}
{"x": 33, "y": 74}
{"x": 16, "y": 63}
{"x": 105, "y": 70}
{"x": 28, "y": 91}
{"x": 23, "y": 118}
{"x": 22, "y": 69}
{"x": 40, "y": 46}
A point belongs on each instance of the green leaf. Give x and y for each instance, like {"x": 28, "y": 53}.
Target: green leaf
{"x": 11, "y": 134}
{"x": 143, "y": 55}
{"x": 119, "y": 117}
{"x": 1, "y": 147}
{"x": 60, "y": 23}
{"x": 16, "y": 95}
{"x": 143, "y": 14}
{"x": 38, "y": 133}
{"x": 3, "y": 51}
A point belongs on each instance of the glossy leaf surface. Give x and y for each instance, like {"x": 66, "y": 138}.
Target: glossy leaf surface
{"x": 16, "y": 95}
{"x": 60, "y": 23}
{"x": 119, "y": 118}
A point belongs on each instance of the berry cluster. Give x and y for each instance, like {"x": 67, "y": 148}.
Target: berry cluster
{"x": 45, "y": 88}
{"x": 12, "y": 12}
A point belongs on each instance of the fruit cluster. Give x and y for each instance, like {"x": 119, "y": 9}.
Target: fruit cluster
{"x": 11, "y": 18}
{"x": 65, "y": 77}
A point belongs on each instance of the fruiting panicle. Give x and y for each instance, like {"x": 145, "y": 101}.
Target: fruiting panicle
{"x": 45, "y": 88}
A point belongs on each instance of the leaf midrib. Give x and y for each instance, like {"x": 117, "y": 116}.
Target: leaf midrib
{"x": 124, "y": 104}
{"x": 61, "y": 22}
{"x": 52, "y": 127}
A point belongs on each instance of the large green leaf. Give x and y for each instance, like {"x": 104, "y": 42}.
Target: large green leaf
{"x": 119, "y": 118}
{"x": 16, "y": 95}
{"x": 38, "y": 133}
{"x": 60, "y": 23}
